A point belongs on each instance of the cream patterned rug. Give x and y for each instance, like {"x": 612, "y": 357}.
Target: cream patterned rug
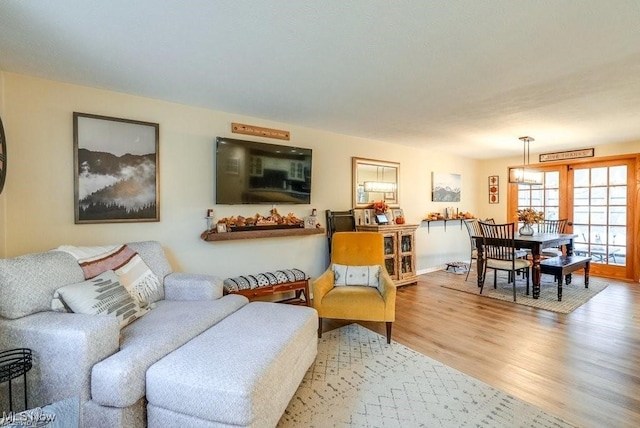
{"x": 573, "y": 295}
{"x": 357, "y": 380}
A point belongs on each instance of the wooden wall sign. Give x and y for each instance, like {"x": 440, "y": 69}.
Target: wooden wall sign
{"x": 572, "y": 154}
{"x": 239, "y": 128}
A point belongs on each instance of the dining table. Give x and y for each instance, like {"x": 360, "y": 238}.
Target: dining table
{"x": 535, "y": 243}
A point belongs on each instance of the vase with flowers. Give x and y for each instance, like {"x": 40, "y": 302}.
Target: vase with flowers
{"x": 380, "y": 207}
{"x": 528, "y": 216}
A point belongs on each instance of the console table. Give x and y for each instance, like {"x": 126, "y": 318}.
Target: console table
{"x": 399, "y": 250}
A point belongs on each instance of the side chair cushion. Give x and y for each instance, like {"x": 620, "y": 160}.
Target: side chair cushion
{"x": 551, "y": 252}
{"x": 354, "y": 303}
{"x": 507, "y": 265}
{"x": 356, "y": 275}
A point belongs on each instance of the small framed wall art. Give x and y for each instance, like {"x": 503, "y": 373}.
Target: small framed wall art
{"x": 367, "y": 216}
{"x": 445, "y": 187}
{"x": 494, "y": 189}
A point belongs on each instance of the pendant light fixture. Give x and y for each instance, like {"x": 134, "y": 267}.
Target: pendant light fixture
{"x": 525, "y": 174}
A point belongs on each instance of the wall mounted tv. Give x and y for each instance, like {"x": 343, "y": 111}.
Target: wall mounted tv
{"x": 248, "y": 172}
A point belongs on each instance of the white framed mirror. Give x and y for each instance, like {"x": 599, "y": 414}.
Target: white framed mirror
{"x": 375, "y": 180}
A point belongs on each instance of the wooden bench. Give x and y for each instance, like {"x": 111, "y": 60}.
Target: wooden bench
{"x": 266, "y": 284}
{"x": 562, "y": 266}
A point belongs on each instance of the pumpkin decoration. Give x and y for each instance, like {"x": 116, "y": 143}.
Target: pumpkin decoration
{"x": 400, "y": 220}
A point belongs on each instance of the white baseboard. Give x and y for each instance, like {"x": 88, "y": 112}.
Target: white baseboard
{"x": 431, "y": 269}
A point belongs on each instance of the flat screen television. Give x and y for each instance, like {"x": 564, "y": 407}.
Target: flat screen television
{"x": 248, "y": 172}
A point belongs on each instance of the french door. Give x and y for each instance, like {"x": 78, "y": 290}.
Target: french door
{"x": 596, "y": 197}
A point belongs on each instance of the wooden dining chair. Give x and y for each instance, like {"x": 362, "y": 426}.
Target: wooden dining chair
{"x": 339, "y": 221}
{"x": 473, "y": 228}
{"x": 500, "y": 253}
{"x": 552, "y": 226}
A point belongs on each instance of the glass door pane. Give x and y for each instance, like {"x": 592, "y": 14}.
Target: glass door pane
{"x": 544, "y": 197}
{"x": 600, "y": 213}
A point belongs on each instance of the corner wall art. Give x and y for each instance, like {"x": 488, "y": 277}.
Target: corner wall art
{"x": 445, "y": 187}
{"x": 494, "y": 189}
{"x": 116, "y": 169}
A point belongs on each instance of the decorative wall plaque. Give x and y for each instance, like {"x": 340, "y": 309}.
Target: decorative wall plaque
{"x": 572, "y": 154}
{"x": 494, "y": 189}
{"x": 239, "y": 128}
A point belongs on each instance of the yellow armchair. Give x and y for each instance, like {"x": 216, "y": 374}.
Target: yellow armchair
{"x": 356, "y": 302}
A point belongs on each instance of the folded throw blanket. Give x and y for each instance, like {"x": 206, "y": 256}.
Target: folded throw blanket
{"x": 132, "y": 271}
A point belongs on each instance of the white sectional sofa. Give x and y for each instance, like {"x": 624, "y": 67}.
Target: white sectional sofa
{"x": 193, "y": 334}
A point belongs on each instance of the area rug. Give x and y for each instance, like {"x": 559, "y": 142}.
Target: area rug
{"x": 573, "y": 295}
{"x": 358, "y": 380}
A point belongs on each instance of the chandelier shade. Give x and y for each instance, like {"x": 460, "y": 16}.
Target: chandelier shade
{"x": 379, "y": 186}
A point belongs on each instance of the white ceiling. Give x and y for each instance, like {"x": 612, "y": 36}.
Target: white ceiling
{"x": 466, "y": 76}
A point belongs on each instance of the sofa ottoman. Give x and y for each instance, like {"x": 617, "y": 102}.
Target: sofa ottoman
{"x": 241, "y": 372}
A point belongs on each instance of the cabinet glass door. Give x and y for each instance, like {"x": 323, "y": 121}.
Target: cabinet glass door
{"x": 406, "y": 243}
{"x": 407, "y": 265}
{"x": 390, "y": 249}
{"x": 389, "y": 245}
{"x": 391, "y": 267}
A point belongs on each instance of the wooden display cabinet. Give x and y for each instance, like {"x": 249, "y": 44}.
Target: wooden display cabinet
{"x": 399, "y": 250}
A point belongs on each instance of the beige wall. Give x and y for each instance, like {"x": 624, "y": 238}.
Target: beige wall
{"x": 38, "y": 200}
{"x": 500, "y": 167}
{"x": 36, "y": 208}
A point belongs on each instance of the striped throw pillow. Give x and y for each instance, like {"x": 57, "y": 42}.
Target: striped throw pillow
{"x": 132, "y": 271}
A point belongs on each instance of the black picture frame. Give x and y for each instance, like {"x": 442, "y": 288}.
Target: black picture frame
{"x": 3, "y": 157}
{"x": 116, "y": 164}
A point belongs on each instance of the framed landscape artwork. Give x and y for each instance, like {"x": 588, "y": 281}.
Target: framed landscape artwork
{"x": 116, "y": 169}
{"x": 445, "y": 187}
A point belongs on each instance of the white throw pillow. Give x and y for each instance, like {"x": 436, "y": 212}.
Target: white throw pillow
{"x": 356, "y": 275}
{"x": 138, "y": 279}
{"x": 102, "y": 295}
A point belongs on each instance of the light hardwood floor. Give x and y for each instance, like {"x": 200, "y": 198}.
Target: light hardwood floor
{"x": 583, "y": 366}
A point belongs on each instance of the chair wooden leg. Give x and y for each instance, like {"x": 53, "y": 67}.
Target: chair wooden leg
{"x": 389, "y": 324}
{"x": 484, "y": 278}
{"x": 495, "y": 278}
{"x": 319, "y": 328}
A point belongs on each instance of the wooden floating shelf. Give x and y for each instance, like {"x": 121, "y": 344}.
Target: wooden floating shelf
{"x": 271, "y": 233}
{"x": 445, "y": 220}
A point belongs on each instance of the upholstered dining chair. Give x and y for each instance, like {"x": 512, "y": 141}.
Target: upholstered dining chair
{"x": 552, "y": 226}
{"x": 500, "y": 253}
{"x": 356, "y": 285}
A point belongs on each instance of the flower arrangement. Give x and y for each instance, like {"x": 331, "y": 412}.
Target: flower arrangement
{"x": 381, "y": 207}
{"x": 530, "y": 216}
